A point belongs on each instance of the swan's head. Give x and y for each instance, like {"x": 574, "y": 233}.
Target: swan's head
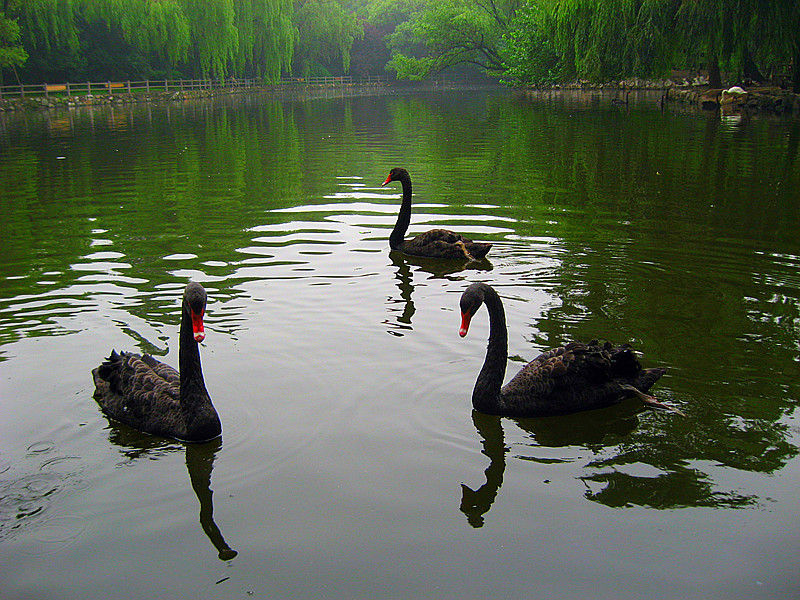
{"x": 194, "y": 302}
{"x": 471, "y": 301}
{"x": 397, "y": 174}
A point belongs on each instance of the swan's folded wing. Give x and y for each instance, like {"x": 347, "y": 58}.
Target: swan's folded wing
{"x": 164, "y": 371}
{"x": 142, "y": 376}
{"x": 139, "y": 379}
{"x": 433, "y": 236}
{"x": 571, "y": 366}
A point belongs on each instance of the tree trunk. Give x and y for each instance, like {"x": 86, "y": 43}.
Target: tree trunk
{"x": 750, "y": 68}
{"x": 714, "y": 76}
{"x": 796, "y": 70}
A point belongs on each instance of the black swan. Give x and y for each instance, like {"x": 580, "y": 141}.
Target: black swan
{"x": 153, "y": 397}
{"x": 563, "y": 380}
{"x": 619, "y": 102}
{"x": 436, "y": 243}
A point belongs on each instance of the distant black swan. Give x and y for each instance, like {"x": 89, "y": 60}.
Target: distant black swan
{"x": 153, "y": 397}
{"x": 564, "y": 380}
{"x": 436, "y": 243}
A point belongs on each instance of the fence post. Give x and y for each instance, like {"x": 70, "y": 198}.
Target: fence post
{"x": 46, "y": 94}
{"x": 69, "y": 92}
{"x": 166, "y": 86}
{"x": 129, "y": 85}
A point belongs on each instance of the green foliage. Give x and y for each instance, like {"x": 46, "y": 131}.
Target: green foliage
{"x": 562, "y": 39}
{"x": 326, "y": 36}
{"x": 444, "y": 33}
{"x": 50, "y": 25}
{"x": 267, "y": 38}
{"x": 11, "y": 53}
{"x": 158, "y": 28}
{"x": 599, "y": 40}
{"x": 216, "y": 40}
{"x": 71, "y": 39}
{"x": 531, "y": 56}
{"x": 50, "y": 36}
{"x": 390, "y": 13}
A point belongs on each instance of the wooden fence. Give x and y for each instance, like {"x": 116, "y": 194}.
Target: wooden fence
{"x": 176, "y": 85}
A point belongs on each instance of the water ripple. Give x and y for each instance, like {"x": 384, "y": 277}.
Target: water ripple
{"x": 31, "y": 486}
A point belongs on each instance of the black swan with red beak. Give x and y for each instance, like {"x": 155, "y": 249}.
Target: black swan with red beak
{"x": 564, "y": 380}
{"x": 153, "y": 397}
{"x": 436, "y": 243}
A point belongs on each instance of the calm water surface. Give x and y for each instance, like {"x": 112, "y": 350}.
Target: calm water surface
{"x": 351, "y": 464}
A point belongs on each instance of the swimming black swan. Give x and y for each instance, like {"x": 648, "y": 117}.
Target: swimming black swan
{"x": 436, "y": 243}
{"x": 564, "y": 380}
{"x": 153, "y": 397}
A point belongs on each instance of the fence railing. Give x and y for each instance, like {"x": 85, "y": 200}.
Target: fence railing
{"x": 172, "y": 85}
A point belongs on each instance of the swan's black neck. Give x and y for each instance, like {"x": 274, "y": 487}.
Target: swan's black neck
{"x": 403, "y": 217}
{"x": 201, "y": 420}
{"x": 486, "y": 394}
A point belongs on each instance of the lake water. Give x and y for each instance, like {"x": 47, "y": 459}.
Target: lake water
{"x": 351, "y": 463}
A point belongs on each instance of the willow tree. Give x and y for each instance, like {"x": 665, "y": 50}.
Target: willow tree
{"x": 49, "y": 34}
{"x": 742, "y": 37}
{"x": 158, "y": 28}
{"x": 558, "y": 40}
{"x": 12, "y": 54}
{"x": 783, "y": 36}
{"x": 326, "y": 35}
{"x": 444, "y": 33}
{"x": 266, "y": 38}
{"x": 215, "y": 39}
{"x": 706, "y": 30}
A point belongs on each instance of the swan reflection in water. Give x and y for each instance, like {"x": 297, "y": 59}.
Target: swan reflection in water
{"x": 438, "y": 269}
{"x": 199, "y": 462}
{"x": 570, "y": 430}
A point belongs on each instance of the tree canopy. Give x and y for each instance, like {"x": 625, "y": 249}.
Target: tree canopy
{"x": 599, "y": 40}
{"x": 12, "y": 54}
{"x": 326, "y": 35}
{"x": 441, "y": 33}
{"x": 75, "y": 39}
{"x": 523, "y": 42}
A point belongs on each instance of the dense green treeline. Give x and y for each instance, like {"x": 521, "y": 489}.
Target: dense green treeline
{"x": 544, "y": 42}
{"x": 522, "y": 41}
{"x": 559, "y": 40}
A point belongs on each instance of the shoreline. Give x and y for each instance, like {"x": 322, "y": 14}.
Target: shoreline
{"x": 43, "y": 103}
{"x": 40, "y": 103}
{"x": 755, "y": 99}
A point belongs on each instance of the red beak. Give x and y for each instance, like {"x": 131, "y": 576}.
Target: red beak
{"x": 465, "y": 319}
{"x": 388, "y": 179}
{"x": 197, "y": 326}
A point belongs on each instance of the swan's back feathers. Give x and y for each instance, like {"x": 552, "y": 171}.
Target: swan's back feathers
{"x": 443, "y": 243}
{"x": 575, "y": 377}
{"x": 129, "y": 373}
{"x": 139, "y": 391}
{"x": 575, "y": 364}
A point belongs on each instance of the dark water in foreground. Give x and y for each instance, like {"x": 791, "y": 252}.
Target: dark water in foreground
{"x": 351, "y": 465}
